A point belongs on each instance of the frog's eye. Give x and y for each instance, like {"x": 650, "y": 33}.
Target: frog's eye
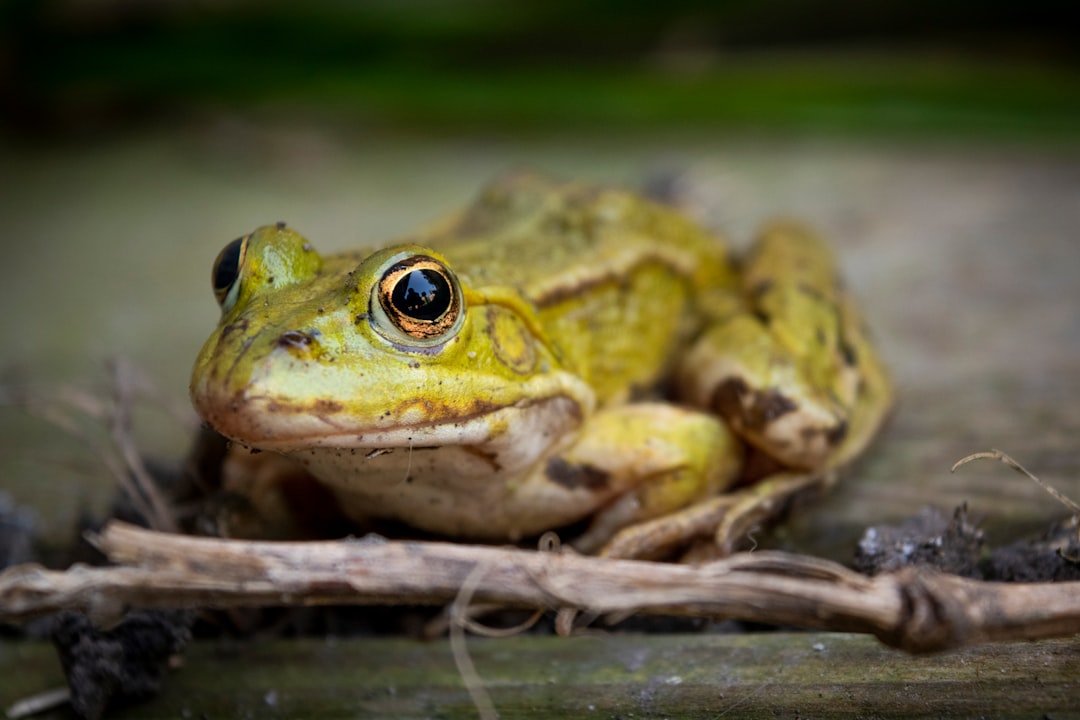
{"x": 226, "y": 273}
{"x": 421, "y": 297}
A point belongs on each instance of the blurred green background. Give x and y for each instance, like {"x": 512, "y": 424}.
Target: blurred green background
{"x": 924, "y": 138}
{"x": 825, "y": 65}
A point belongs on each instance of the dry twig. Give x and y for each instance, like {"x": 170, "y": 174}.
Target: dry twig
{"x": 916, "y": 609}
{"x": 995, "y": 454}
{"x": 83, "y": 414}
{"x": 1006, "y": 459}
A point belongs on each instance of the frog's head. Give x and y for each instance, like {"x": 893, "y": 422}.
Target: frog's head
{"x": 387, "y": 349}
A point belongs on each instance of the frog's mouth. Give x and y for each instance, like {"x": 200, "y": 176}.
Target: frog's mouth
{"x": 265, "y": 423}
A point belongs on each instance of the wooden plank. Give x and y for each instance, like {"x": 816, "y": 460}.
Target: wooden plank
{"x": 755, "y": 675}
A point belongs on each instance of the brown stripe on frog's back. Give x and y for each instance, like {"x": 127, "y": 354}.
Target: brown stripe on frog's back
{"x": 573, "y": 284}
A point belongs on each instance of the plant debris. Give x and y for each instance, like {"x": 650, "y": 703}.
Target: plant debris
{"x": 930, "y": 538}
{"x": 123, "y": 663}
{"x": 1051, "y": 558}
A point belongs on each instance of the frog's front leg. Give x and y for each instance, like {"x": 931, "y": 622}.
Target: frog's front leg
{"x": 636, "y": 462}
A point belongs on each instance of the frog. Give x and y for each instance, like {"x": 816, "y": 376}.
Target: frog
{"x": 557, "y": 356}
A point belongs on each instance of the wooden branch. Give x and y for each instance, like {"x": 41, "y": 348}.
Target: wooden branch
{"x": 915, "y": 609}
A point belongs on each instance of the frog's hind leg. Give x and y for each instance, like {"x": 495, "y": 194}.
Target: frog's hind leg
{"x": 728, "y": 518}
{"x": 793, "y": 373}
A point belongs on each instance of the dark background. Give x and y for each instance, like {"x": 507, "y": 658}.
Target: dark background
{"x": 70, "y": 67}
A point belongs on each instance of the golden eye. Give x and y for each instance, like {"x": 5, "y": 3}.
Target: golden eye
{"x": 420, "y": 296}
{"x": 226, "y": 272}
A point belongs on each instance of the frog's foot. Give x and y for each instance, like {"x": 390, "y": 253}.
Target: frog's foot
{"x": 727, "y": 519}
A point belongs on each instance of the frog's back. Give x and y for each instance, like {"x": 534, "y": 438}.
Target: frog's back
{"x": 618, "y": 282}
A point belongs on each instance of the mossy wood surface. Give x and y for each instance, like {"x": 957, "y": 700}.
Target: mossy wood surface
{"x": 756, "y": 675}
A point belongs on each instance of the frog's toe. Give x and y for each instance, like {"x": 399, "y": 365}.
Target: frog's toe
{"x": 721, "y": 522}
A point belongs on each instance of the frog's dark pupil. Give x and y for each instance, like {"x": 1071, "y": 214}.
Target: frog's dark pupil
{"x": 228, "y": 266}
{"x": 422, "y": 295}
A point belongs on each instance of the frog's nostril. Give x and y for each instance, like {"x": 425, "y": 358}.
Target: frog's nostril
{"x": 295, "y": 339}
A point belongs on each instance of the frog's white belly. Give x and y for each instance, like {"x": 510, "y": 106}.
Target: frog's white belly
{"x": 486, "y": 481}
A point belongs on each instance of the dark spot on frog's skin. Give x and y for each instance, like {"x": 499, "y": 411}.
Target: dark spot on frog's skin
{"x": 270, "y": 280}
{"x": 295, "y": 339}
{"x": 819, "y": 335}
{"x": 572, "y": 476}
{"x": 750, "y": 409}
{"x": 415, "y": 365}
{"x": 760, "y": 288}
{"x": 727, "y": 397}
{"x": 772, "y": 405}
{"x": 848, "y": 352}
{"x": 240, "y": 327}
{"x": 280, "y": 225}
{"x": 328, "y": 406}
{"x": 762, "y": 316}
{"x": 360, "y": 318}
{"x": 836, "y": 435}
{"x": 833, "y": 436}
{"x": 811, "y": 291}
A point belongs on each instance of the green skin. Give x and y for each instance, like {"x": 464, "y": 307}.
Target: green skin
{"x": 510, "y": 413}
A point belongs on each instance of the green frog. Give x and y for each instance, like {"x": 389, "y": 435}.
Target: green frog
{"x": 556, "y": 356}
